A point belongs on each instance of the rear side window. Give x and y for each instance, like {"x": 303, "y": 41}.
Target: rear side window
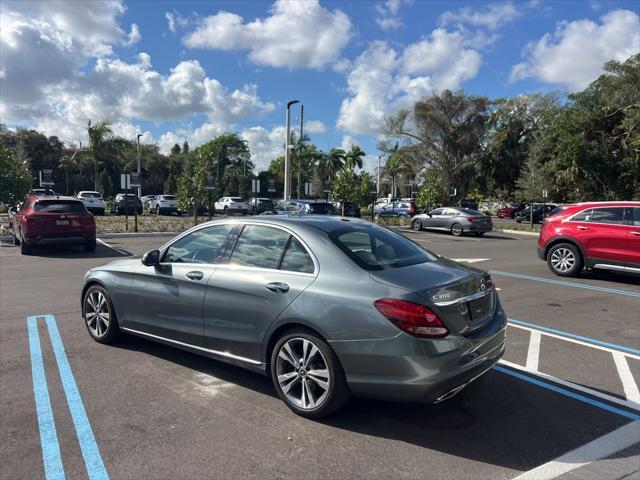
{"x": 296, "y": 258}
{"x": 437, "y": 211}
{"x": 59, "y": 206}
{"x": 259, "y": 246}
{"x": 609, "y": 215}
{"x": 378, "y": 248}
{"x": 584, "y": 216}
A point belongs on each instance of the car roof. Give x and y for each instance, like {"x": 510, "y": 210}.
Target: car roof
{"x": 54, "y": 197}
{"x": 327, "y": 223}
{"x": 620, "y": 203}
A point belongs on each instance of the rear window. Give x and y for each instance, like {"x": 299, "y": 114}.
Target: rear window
{"x": 59, "y": 206}
{"x": 235, "y": 199}
{"x": 468, "y": 211}
{"x": 90, "y": 195}
{"x": 378, "y": 248}
{"x": 322, "y": 209}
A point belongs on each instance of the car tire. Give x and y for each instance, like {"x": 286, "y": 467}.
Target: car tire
{"x": 101, "y": 329}
{"x": 416, "y": 225}
{"x": 321, "y": 393}
{"x": 478, "y": 234}
{"x": 226, "y": 210}
{"x": 518, "y": 220}
{"x": 157, "y": 209}
{"x": 565, "y": 260}
{"x": 16, "y": 240}
{"x": 90, "y": 246}
{"x": 25, "y": 248}
{"x": 456, "y": 230}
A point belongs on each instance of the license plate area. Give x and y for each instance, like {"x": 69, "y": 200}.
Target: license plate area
{"x": 62, "y": 222}
{"x": 480, "y": 307}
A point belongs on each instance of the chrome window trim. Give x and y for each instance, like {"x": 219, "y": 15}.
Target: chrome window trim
{"x": 571, "y": 220}
{"x": 202, "y": 349}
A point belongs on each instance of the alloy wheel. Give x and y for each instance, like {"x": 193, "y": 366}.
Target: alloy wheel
{"x": 456, "y": 229}
{"x": 303, "y": 373}
{"x": 563, "y": 259}
{"x": 96, "y": 313}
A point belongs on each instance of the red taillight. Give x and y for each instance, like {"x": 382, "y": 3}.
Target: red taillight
{"x": 412, "y": 208}
{"x": 473, "y": 219}
{"x": 415, "y": 319}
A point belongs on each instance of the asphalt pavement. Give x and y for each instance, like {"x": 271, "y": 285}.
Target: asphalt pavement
{"x": 150, "y": 411}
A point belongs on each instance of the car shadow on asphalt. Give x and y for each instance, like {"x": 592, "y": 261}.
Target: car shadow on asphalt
{"x": 609, "y": 277}
{"x": 447, "y": 235}
{"x": 498, "y": 419}
{"x": 77, "y": 251}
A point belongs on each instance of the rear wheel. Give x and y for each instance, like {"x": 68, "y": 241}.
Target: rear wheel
{"x": 307, "y": 375}
{"x": 16, "y": 241}
{"x": 25, "y": 248}
{"x": 416, "y": 225}
{"x": 226, "y": 210}
{"x": 564, "y": 259}
{"x": 99, "y": 315}
{"x": 456, "y": 230}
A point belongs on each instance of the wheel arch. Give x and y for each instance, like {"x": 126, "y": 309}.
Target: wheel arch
{"x": 278, "y": 332}
{"x": 569, "y": 240}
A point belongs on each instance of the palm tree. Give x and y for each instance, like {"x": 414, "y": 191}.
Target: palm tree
{"x": 332, "y": 162}
{"x": 99, "y": 135}
{"x": 354, "y": 157}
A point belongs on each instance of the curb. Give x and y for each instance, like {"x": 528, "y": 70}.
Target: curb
{"x": 136, "y": 234}
{"x": 517, "y": 232}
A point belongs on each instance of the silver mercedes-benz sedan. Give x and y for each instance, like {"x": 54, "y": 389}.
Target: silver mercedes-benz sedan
{"x": 326, "y": 306}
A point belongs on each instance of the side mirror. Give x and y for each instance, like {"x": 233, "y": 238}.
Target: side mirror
{"x": 151, "y": 258}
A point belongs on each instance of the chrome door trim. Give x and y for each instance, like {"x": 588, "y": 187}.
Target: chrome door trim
{"x": 195, "y": 347}
{"x": 619, "y": 268}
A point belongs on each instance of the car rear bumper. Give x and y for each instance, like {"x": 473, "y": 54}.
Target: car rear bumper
{"x": 541, "y": 253}
{"x": 409, "y": 369}
{"x": 479, "y": 227}
{"x": 71, "y": 239}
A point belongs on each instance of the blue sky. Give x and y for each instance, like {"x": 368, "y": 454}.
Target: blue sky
{"x": 194, "y": 69}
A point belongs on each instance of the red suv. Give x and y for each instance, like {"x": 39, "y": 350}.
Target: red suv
{"x": 49, "y": 220}
{"x": 592, "y": 235}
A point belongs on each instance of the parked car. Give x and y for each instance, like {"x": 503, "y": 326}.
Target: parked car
{"x": 229, "y": 205}
{"x": 602, "y": 235}
{"x": 351, "y": 209}
{"x": 164, "y": 205}
{"x": 124, "y": 203}
{"x": 254, "y": 293}
{"x": 540, "y": 211}
{"x": 306, "y": 207}
{"x": 258, "y": 205}
{"x": 397, "y": 209}
{"x": 52, "y": 220}
{"x": 44, "y": 192}
{"x": 455, "y": 220}
{"x": 468, "y": 203}
{"x": 93, "y": 201}
{"x": 510, "y": 210}
{"x": 146, "y": 199}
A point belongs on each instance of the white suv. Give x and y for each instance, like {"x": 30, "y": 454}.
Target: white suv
{"x": 229, "y": 205}
{"x": 93, "y": 202}
{"x": 166, "y": 204}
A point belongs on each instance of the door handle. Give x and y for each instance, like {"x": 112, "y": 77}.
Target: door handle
{"x": 277, "y": 287}
{"x": 583, "y": 228}
{"x": 194, "y": 275}
{"x": 635, "y": 233}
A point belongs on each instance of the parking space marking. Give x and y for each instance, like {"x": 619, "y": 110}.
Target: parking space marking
{"x": 51, "y": 457}
{"x": 615, "y": 291}
{"x": 50, "y": 449}
{"x": 628, "y": 382}
{"x": 533, "y": 353}
{"x": 568, "y": 393}
{"x": 603, "y": 447}
{"x": 578, "y": 339}
{"x": 470, "y": 260}
{"x": 121, "y": 252}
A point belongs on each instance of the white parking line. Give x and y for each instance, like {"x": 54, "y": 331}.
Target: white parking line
{"x": 602, "y": 447}
{"x": 533, "y": 354}
{"x": 470, "y": 260}
{"x": 628, "y": 382}
{"x": 121, "y": 252}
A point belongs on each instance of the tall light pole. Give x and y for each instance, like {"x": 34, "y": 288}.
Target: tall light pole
{"x": 287, "y": 166}
{"x": 300, "y": 148}
{"x": 378, "y": 186}
{"x": 139, "y": 172}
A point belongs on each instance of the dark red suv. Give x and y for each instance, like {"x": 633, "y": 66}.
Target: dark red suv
{"x": 49, "y": 220}
{"x": 592, "y": 235}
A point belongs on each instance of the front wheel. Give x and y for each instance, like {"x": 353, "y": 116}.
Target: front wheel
{"x": 307, "y": 375}
{"x": 456, "y": 230}
{"x": 416, "y": 225}
{"x": 99, "y": 315}
{"x": 158, "y": 210}
{"x": 564, "y": 260}
{"x": 226, "y": 210}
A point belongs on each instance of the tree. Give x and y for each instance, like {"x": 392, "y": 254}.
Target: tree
{"x": 534, "y": 176}
{"x": 175, "y": 150}
{"x": 185, "y": 147}
{"x": 346, "y": 186}
{"x": 445, "y": 131}
{"x": 15, "y": 179}
{"x": 431, "y": 192}
{"x": 100, "y": 136}
{"x": 354, "y": 157}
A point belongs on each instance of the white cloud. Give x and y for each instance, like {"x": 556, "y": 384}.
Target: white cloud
{"x": 134, "y": 35}
{"x": 387, "y": 14}
{"x": 171, "y": 21}
{"x": 265, "y": 145}
{"x": 295, "y": 34}
{"x": 384, "y": 80}
{"x": 491, "y": 17}
{"x": 574, "y": 54}
{"x": 314, "y": 126}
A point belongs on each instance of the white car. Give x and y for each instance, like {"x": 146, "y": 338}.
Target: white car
{"x": 93, "y": 202}
{"x": 166, "y": 204}
{"x": 229, "y": 205}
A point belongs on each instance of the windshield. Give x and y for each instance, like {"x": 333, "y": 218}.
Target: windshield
{"x": 375, "y": 248}
{"x": 59, "y": 206}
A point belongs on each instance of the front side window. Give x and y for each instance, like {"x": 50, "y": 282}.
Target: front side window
{"x": 201, "y": 246}
{"x": 608, "y": 215}
{"x": 259, "y": 246}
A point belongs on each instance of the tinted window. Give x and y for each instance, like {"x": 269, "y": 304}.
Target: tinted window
{"x": 322, "y": 209}
{"x": 59, "y": 206}
{"x": 259, "y": 246}
{"x": 296, "y": 258}
{"x": 636, "y": 216}
{"x": 201, "y": 246}
{"x": 610, "y": 215}
{"x": 168, "y": 197}
{"x": 584, "y": 216}
{"x": 473, "y": 213}
{"x": 437, "y": 211}
{"x": 378, "y": 248}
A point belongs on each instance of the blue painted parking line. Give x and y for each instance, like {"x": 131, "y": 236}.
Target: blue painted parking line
{"x": 51, "y": 458}
{"x": 562, "y": 333}
{"x": 568, "y": 393}
{"x": 88, "y": 446}
{"x": 565, "y": 283}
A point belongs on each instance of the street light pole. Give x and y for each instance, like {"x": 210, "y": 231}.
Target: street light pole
{"x": 139, "y": 172}
{"x": 287, "y": 166}
{"x": 300, "y": 148}
{"x": 378, "y": 186}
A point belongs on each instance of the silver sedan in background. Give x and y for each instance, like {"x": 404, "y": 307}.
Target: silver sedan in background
{"x": 325, "y": 306}
{"x": 456, "y": 220}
